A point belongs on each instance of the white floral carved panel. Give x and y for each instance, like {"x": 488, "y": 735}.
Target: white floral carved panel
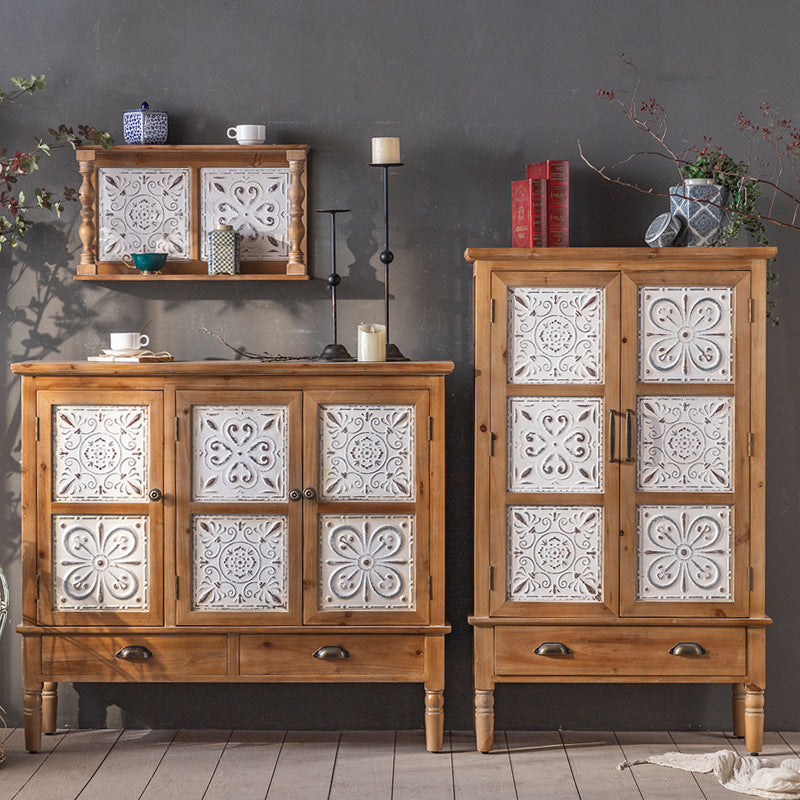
{"x": 366, "y": 562}
{"x": 685, "y": 334}
{"x": 684, "y": 553}
{"x": 100, "y": 453}
{"x": 143, "y": 210}
{"x": 240, "y": 562}
{"x": 366, "y": 452}
{"x": 555, "y": 444}
{"x": 239, "y": 453}
{"x": 100, "y": 563}
{"x": 685, "y": 444}
{"x": 554, "y": 553}
{"x": 555, "y": 335}
{"x": 255, "y": 201}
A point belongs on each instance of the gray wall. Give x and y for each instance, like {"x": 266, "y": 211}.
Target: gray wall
{"x": 474, "y": 90}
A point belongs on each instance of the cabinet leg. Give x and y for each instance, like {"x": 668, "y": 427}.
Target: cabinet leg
{"x": 32, "y": 716}
{"x": 434, "y": 720}
{"x": 484, "y": 719}
{"x": 49, "y": 707}
{"x": 737, "y": 705}
{"x": 754, "y": 719}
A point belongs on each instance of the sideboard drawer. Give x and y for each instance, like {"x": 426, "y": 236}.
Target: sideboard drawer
{"x": 89, "y": 657}
{"x": 377, "y": 657}
{"x": 624, "y": 651}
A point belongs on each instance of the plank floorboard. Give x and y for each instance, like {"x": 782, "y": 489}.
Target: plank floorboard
{"x": 418, "y": 774}
{"x": 774, "y": 746}
{"x": 364, "y": 766}
{"x": 21, "y": 765}
{"x": 792, "y": 738}
{"x": 593, "y": 757}
{"x": 478, "y": 776}
{"x": 305, "y": 766}
{"x": 70, "y": 765}
{"x": 246, "y": 766}
{"x": 703, "y": 742}
{"x": 188, "y": 765}
{"x": 129, "y": 765}
{"x": 538, "y": 759}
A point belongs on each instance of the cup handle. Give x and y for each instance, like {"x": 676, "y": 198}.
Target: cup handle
{"x": 128, "y": 261}
{"x": 144, "y": 340}
{"x": 231, "y": 133}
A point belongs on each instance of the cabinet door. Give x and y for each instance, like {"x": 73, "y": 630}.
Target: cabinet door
{"x": 554, "y": 477}
{"x": 367, "y": 479}
{"x": 685, "y": 491}
{"x": 238, "y": 510}
{"x": 100, "y": 536}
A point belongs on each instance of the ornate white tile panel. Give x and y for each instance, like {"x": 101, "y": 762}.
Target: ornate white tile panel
{"x": 143, "y": 210}
{"x": 555, "y": 335}
{"x": 255, "y": 201}
{"x": 366, "y": 562}
{"x": 555, "y": 444}
{"x": 100, "y": 563}
{"x": 239, "y": 453}
{"x": 239, "y": 562}
{"x": 684, "y": 552}
{"x": 685, "y": 444}
{"x": 366, "y": 452}
{"x": 100, "y": 453}
{"x": 685, "y": 334}
{"x": 554, "y": 553}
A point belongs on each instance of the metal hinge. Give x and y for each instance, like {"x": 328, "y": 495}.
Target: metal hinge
{"x": 491, "y": 312}
{"x": 751, "y": 309}
{"x": 177, "y": 429}
{"x": 749, "y": 444}
{"x": 37, "y": 429}
{"x": 749, "y": 579}
{"x": 430, "y": 587}
{"x": 491, "y": 577}
{"x": 430, "y": 429}
{"x": 177, "y": 588}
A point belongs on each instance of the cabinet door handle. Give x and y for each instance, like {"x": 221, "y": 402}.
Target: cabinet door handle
{"x": 612, "y": 436}
{"x": 688, "y": 649}
{"x": 294, "y": 495}
{"x": 330, "y": 651}
{"x": 552, "y": 649}
{"x": 629, "y": 415}
{"x": 133, "y": 652}
{"x": 155, "y": 495}
{"x": 309, "y": 493}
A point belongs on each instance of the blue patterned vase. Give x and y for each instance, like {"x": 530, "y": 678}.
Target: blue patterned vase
{"x": 700, "y": 204}
{"x": 144, "y": 126}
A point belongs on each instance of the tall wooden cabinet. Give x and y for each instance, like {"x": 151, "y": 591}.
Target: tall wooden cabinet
{"x": 619, "y": 470}
{"x": 230, "y": 521}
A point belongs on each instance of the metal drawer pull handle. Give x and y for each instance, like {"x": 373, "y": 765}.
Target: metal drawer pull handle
{"x": 552, "y": 649}
{"x": 331, "y": 651}
{"x": 134, "y": 652}
{"x": 155, "y": 495}
{"x": 688, "y": 649}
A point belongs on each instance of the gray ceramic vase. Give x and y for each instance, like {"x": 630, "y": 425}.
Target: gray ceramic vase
{"x": 699, "y": 204}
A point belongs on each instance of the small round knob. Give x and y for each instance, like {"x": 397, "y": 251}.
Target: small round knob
{"x": 309, "y": 493}
{"x": 155, "y": 495}
{"x": 294, "y": 495}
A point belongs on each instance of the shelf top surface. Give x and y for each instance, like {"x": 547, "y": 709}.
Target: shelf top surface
{"x": 585, "y": 255}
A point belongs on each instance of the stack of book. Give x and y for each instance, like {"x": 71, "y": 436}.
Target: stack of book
{"x": 540, "y": 206}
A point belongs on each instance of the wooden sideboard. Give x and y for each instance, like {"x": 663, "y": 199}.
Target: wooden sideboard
{"x": 619, "y": 470}
{"x": 232, "y": 522}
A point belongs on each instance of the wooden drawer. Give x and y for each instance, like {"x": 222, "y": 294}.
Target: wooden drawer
{"x": 92, "y": 657}
{"x": 376, "y": 657}
{"x": 623, "y": 651}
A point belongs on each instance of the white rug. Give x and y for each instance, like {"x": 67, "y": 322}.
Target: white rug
{"x": 753, "y": 775}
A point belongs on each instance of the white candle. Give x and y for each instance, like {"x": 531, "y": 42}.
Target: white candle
{"x": 386, "y": 150}
{"x": 371, "y": 342}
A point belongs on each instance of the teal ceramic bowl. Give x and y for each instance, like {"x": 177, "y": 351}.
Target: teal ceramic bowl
{"x": 145, "y": 262}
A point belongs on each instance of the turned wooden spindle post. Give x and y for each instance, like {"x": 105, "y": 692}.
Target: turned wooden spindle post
{"x": 87, "y": 231}
{"x": 297, "y": 227}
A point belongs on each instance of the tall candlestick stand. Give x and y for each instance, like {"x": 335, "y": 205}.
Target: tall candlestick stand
{"x": 335, "y": 351}
{"x": 392, "y": 351}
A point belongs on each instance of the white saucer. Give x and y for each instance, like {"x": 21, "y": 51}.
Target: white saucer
{"x": 135, "y": 352}
{"x": 250, "y": 141}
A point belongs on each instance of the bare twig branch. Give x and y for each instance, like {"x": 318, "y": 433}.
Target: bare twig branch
{"x": 265, "y": 356}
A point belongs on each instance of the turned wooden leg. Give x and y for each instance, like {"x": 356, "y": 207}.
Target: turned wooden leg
{"x": 737, "y": 705}
{"x": 434, "y": 693}
{"x": 32, "y": 716}
{"x": 484, "y": 719}
{"x": 49, "y": 707}
{"x": 754, "y": 719}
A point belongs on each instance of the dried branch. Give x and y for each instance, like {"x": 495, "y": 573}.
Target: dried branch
{"x": 264, "y": 357}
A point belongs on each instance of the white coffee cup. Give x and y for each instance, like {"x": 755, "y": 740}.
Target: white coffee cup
{"x": 129, "y": 341}
{"x": 248, "y": 134}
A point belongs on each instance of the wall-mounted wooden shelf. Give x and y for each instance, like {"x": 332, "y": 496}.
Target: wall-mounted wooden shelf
{"x": 156, "y": 198}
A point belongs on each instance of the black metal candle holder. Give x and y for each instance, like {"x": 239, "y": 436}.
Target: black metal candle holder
{"x": 335, "y": 351}
{"x": 387, "y": 256}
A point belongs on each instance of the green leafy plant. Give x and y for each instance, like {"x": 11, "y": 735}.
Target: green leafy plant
{"x": 14, "y": 205}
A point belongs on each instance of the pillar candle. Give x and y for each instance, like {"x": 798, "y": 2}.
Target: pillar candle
{"x": 386, "y": 150}
{"x": 371, "y": 342}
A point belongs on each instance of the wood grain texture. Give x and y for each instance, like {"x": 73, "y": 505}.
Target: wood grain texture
{"x": 364, "y": 766}
{"x": 305, "y": 767}
{"x": 480, "y": 775}
{"x": 419, "y": 775}
{"x": 246, "y": 766}
{"x": 20, "y": 764}
{"x": 593, "y": 758}
{"x": 538, "y": 758}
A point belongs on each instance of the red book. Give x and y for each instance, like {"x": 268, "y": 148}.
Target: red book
{"x": 556, "y": 173}
{"x": 529, "y": 213}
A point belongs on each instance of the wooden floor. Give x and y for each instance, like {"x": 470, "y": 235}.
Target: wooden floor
{"x": 362, "y": 765}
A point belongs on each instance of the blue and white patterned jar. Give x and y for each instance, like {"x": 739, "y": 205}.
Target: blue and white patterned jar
{"x": 223, "y": 251}
{"x": 700, "y": 204}
{"x": 144, "y": 126}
